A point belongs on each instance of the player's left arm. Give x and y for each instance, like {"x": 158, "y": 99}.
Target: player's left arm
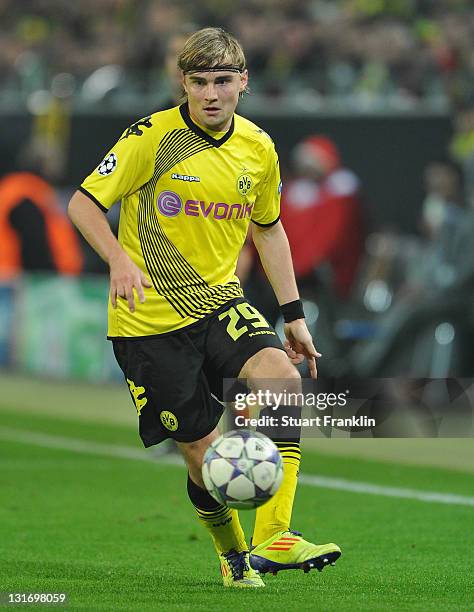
{"x": 274, "y": 251}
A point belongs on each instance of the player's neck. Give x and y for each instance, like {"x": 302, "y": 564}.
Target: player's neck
{"x": 210, "y": 131}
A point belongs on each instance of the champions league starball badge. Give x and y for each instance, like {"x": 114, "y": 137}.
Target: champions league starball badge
{"x": 107, "y": 165}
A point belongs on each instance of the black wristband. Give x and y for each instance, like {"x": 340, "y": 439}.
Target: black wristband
{"x": 292, "y": 311}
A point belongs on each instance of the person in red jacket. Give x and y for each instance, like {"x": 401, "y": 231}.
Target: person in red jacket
{"x": 321, "y": 213}
{"x": 35, "y": 232}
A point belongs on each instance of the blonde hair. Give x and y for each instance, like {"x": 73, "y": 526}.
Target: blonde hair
{"x": 211, "y": 48}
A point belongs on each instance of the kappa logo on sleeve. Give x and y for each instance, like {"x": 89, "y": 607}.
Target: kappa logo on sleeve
{"x": 260, "y": 131}
{"x": 107, "y": 165}
{"x": 135, "y": 129}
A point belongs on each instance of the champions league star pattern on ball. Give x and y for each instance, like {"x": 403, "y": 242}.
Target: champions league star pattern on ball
{"x": 242, "y": 469}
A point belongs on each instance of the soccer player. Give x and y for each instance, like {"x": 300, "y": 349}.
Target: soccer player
{"x": 191, "y": 179}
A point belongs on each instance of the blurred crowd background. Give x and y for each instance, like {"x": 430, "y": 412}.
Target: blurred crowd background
{"x": 371, "y": 106}
{"x": 361, "y": 54}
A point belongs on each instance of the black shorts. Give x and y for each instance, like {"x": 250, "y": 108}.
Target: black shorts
{"x": 173, "y": 377}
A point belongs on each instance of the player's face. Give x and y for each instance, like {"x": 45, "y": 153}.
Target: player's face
{"x": 213, "y": 97}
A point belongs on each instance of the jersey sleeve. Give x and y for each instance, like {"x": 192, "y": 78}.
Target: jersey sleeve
{"x": 127, "y": 166}
{"x": 266, "y": 211}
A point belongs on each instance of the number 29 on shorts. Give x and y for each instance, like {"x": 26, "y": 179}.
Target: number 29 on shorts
{"x": 245, "y": 311}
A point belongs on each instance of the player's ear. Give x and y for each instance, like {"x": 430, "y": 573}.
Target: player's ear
{"x": 244, "y": 79}
{"x": 183, "y": 82}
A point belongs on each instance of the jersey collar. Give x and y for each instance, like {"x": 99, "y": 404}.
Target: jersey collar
{"x": 216, "y": 142}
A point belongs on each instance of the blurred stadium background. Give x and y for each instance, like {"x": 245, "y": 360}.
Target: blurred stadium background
{"x": 385, "y": 193}
{"x": 371, "y": 107}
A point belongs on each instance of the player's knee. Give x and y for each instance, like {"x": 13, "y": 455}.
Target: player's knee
{"x": 286, "y": 371}
{"x": 286, "y": 381}
{"x": 289, "y": 380}
{"x": 289, "y": 372}
{"x": 269, "y": 363}
{"x": 272, "y": 371}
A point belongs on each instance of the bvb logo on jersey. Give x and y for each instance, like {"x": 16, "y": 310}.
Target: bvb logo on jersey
{"x": 169, "y": 420}
{"x": 244, "y": 184}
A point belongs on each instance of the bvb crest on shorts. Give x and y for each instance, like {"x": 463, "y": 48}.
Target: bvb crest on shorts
{"x": 169, "y": 420}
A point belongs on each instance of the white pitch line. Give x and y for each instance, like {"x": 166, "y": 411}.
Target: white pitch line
{"x": 87, "y": 447}
{"x": 366, "y": 487}
{"x": 128, "y": 452}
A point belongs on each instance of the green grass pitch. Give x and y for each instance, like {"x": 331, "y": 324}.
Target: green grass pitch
{"x": 119, "y": 534}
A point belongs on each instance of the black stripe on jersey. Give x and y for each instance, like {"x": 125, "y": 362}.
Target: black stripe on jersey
{"x": 172, "y": 276}
{"x": 192, "y": 280}
{"x": 178, "y": 282}
{"x": 93, "y": 198}
{"x": 185, "y": 279}
{"x": 176, "y": 146}
{"x": 266, "y": 224}
{"x": 184, "y": 110}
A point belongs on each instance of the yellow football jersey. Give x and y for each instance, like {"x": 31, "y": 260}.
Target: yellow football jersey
{"x": 187, "y": 200}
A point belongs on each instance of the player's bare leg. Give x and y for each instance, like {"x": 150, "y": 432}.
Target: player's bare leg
{"x": 193, "y": 453}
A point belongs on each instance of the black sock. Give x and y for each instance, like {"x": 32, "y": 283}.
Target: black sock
{"x": 200, "y": 498}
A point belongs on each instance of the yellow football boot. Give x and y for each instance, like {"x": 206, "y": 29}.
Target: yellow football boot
{"x": 236, "y": 570}
{"x": 288, "y": 550}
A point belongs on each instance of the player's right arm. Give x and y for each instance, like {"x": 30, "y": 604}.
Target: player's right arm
{"x": 125, "y": 276}
{"x": 125, "y": 169}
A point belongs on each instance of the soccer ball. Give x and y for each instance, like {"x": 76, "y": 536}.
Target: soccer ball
{"x": 242, "y": 469}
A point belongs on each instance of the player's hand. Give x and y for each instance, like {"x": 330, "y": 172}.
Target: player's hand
{"x": 299, "y": 345}
{"x": 125, "y": 276}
